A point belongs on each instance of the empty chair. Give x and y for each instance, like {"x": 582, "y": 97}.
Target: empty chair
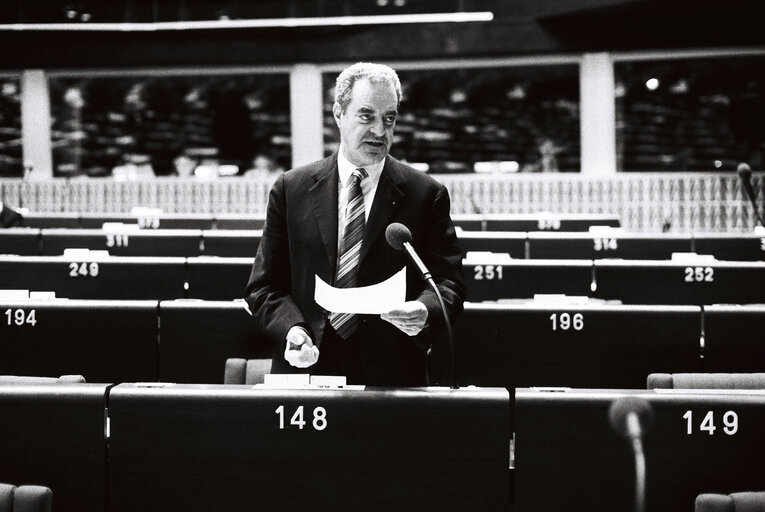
{"x": 734, "y": 502}
{"x": 246, "y": 371}
{"x": 27, "y": 379}
{"x": 706, "y": 381}
{"x": 25, "y": 498}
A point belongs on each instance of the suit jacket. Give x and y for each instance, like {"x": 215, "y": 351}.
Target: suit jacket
{"x": 300, "y": 240}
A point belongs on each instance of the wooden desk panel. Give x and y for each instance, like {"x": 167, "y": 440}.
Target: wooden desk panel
{"x": 201, "y": 448}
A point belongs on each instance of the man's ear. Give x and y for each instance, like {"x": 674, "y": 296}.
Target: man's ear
{"x": 336, "y": 112}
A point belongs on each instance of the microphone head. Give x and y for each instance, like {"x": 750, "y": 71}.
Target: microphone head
{"x": 621, "y": 408}
{"x": 744, "y": 171}
{"x": 397, "y": 235}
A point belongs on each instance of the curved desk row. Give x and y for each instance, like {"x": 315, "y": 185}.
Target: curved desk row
{"x": 158, "y": 220}
{"x": 518, "y": 244}
{"x": 154, "y": 447}
{"x": 508, "y": 345}
{"x": 489, "y": 277}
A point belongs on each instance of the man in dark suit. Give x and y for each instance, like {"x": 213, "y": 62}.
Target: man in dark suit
{"x": 329, "y": 219}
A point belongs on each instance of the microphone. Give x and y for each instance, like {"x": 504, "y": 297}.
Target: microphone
{"x": 400, "y": 238}
{"x": 631, "y": 417}
{"x": 745, "y": 173}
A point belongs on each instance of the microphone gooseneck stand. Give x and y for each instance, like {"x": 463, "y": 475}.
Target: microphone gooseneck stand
{"x": 400, "y": 238}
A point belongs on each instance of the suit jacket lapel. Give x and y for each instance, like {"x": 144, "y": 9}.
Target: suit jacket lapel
{"x": 324, "y": 201}
{"x": 387, "y": 201}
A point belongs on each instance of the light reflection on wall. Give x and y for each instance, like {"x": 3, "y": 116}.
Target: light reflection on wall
{"x": 691, "y": 114}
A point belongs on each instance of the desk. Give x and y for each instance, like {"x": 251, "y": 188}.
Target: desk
{"x": 508, "y": 242}
{"x": 105, "y": 341}
{"x": 231, "y": 243}
{"x": 202, "y": 448}
{"x": 543, "y": 221}
{"x": 242, "y": 221}
{"x": 150, "y": 221}
{"x": 111, "y": 277}
{"x": 730, "y": 246}
{"x": 490, "y": 278}
{"x": 212, "y": 278}
{"x": 196, "y": 338}
{"x": 734, "y": 338}
{"x": 469, "y": 221}
{"x": 51, "y": 220}
{"x": 53, "y": 435}
{"x": 567, "y": 457}
{"x": 575, "y": 345}
{"x": 680, "y": 282}
{"x": 591, "y": 246}
{"x": 22, "y": 241}
{"x": 143, "y": 242}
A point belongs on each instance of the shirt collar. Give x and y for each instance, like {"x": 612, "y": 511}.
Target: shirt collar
{"x": 345, "y": 168}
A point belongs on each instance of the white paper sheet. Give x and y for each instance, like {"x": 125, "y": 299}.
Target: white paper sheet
{"x": 374, "y": 299}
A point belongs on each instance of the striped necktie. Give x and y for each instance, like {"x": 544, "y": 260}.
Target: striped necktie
{"x": 348, "y": 264}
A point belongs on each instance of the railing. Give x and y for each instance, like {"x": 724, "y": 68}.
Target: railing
{"x": 653, "y": 202}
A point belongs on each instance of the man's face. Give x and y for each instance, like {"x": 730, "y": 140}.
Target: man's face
{"x": 366, "y": 126}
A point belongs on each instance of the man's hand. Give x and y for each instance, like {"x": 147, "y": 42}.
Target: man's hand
{"x": 300, "y": 351}
{"x": 411, "y": 317}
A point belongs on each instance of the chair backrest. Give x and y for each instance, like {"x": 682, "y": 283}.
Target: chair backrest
{"x": 706, "y": 381}
{"x": 734, "y": 502}
{"x": 24, "y": 379}
{"x": 25, "y": 498}
{"x": 246, "y": 371}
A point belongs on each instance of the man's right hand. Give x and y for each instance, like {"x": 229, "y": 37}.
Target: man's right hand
{"x": 300, "y": 351}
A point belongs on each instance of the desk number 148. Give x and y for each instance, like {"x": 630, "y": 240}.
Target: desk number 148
{"x": 319, "y": 418}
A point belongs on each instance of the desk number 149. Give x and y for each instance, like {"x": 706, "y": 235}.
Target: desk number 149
{"x": 730, "y": 422}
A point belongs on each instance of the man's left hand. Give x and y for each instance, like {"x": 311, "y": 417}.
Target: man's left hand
{"x": 411, "y": 317}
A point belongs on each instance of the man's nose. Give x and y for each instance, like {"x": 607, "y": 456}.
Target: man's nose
{"x": 378, "y": 128}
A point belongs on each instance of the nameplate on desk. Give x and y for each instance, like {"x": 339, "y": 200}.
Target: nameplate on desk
{"x": 286, "y": 380}
{"x": 305, "y": 381}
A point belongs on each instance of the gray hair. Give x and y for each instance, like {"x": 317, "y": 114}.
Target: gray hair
{"x": 375, "y": 73}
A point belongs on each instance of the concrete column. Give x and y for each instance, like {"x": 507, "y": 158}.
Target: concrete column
{"x": 306, "y": 102}
{"x": 597, "y": 107}
{"x": 35, "y": 124}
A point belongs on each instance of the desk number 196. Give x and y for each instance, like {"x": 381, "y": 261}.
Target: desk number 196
{"x": 319, "y": 418}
